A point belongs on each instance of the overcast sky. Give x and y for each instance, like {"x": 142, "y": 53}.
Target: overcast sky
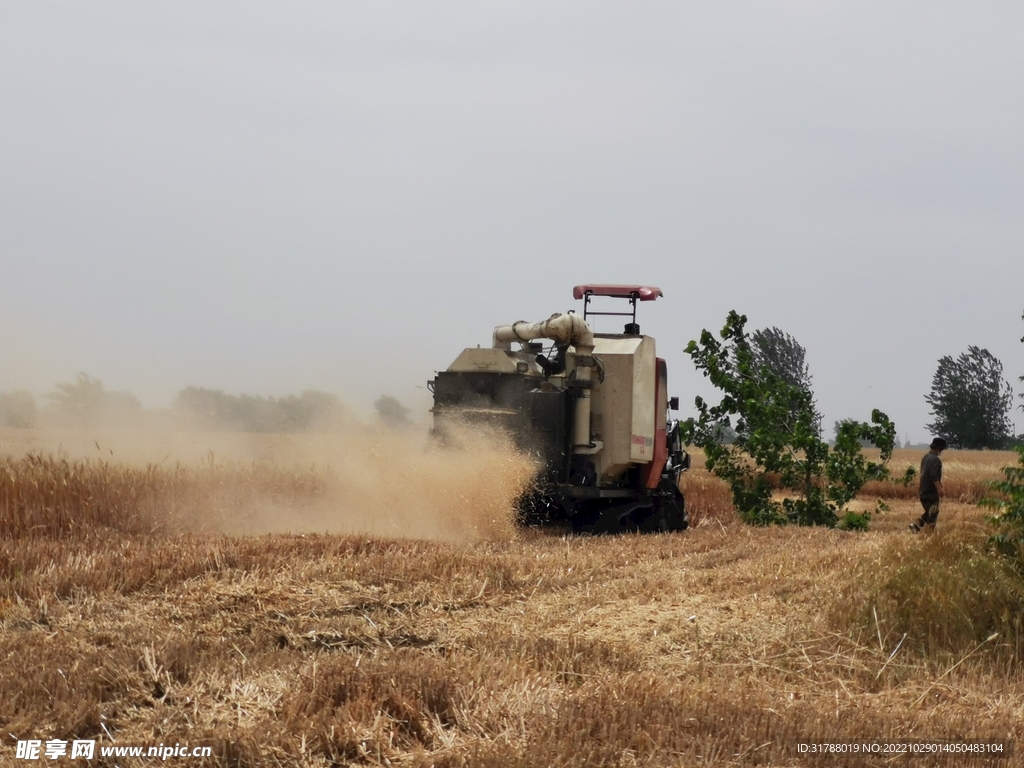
{"x": 267, "y": 198}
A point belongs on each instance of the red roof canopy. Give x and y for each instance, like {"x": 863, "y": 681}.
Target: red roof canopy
{"x": 643, "y": 292}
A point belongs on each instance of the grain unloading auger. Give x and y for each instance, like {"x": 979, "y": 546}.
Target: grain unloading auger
{"x": 593, "y": 408}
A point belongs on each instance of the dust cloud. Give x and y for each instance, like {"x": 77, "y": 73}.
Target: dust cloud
{"x": 357, "y": 477}
{"x": 401, "y": 484}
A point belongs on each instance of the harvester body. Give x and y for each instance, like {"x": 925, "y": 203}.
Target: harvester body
{"x": 592, "y": 409}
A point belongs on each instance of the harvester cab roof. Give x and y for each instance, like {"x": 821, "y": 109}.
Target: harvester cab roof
{"x": 634, "y": 293}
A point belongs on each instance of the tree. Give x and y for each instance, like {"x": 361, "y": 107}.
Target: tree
{"x": 85, "y": 402}
{"x": 776, "y": 350}
{"x": 970, "y": 401}
{"x": 392, "y": 412}
{"x": 777, "y": 440}
{"x": 78, "y": 402}
{"x": 784, "y": 356}
{"x": 1021, "y": 379}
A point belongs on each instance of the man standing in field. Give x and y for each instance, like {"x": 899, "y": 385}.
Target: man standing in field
{"x": 930, "y": 490}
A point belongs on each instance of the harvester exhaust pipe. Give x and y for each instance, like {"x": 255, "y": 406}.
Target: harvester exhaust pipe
{"x": 572, "y": 329}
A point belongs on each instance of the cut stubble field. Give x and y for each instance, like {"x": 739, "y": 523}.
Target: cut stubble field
{"x": 136, "y": 619}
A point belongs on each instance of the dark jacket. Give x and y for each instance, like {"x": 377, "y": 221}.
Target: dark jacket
{"x": 931, "y": 473}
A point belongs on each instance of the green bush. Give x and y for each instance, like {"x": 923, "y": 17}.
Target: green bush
{"x": 1007, "y": 501}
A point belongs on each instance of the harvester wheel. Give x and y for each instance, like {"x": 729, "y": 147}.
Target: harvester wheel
{"x": 620, "y": 518}
{"x": 672, "y": 507}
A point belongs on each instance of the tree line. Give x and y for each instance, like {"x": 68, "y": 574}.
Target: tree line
{"x": 970, "y": 399}
{"x": 214, "y": 409}
{"x": 85, "y": 402}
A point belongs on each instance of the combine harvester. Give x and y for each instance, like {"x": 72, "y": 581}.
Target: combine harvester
{"x": 593, "y": 408}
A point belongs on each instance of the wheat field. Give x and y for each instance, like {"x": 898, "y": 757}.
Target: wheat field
{"x": 244, "y": 597}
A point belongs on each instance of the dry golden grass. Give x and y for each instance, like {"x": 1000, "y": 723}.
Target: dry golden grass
{"x": 717, "y": 646}
{"x": 55, "y": 497}
{"x": 359, "y": 479}
{"x": 965, "y": 474}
